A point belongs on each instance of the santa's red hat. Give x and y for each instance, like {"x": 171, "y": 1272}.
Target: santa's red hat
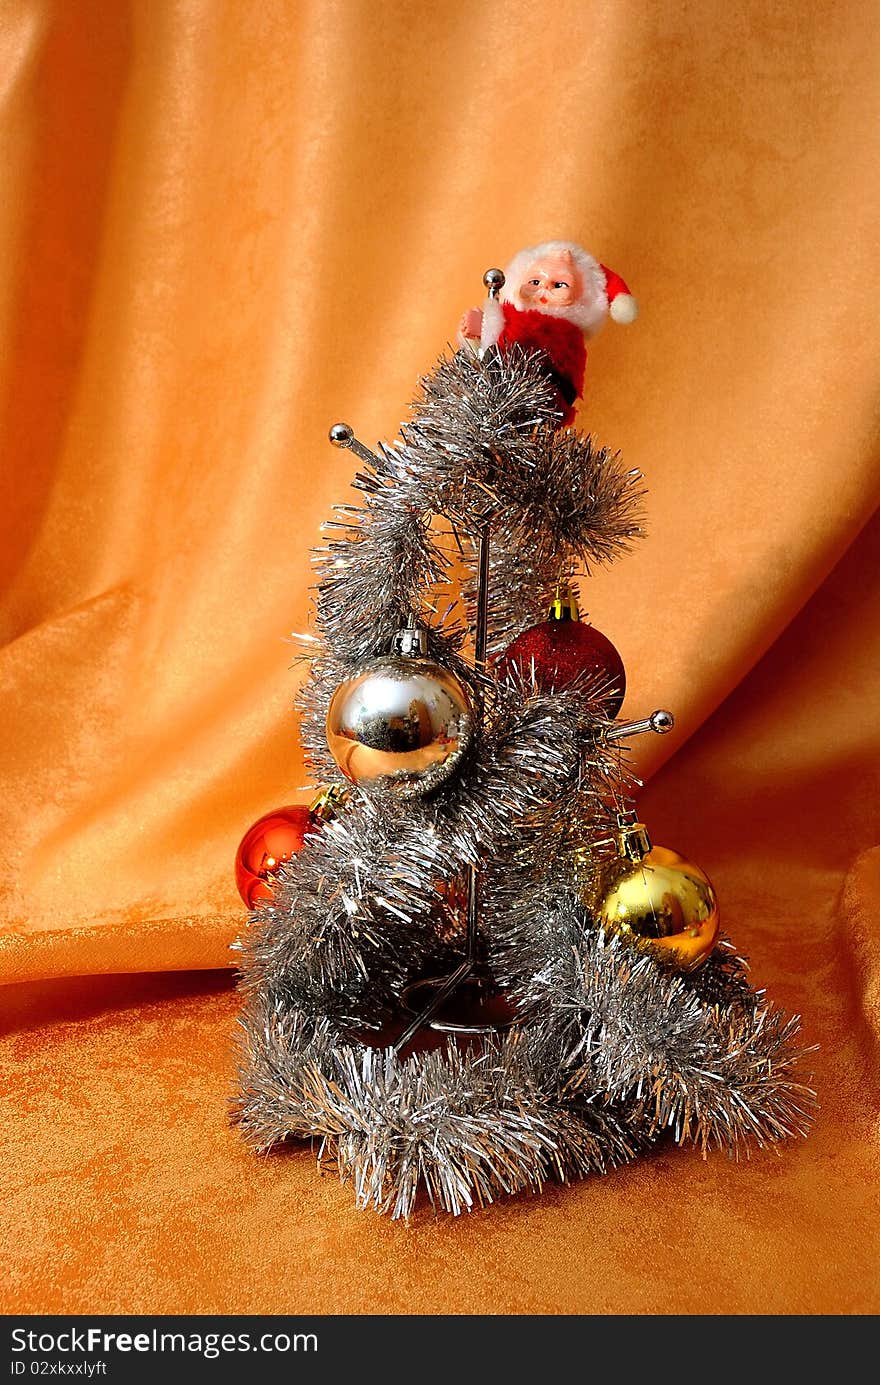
{"x": 603, "y": 292}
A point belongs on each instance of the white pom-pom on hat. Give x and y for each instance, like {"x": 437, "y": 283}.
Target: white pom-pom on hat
{"x": 624, "y": 308}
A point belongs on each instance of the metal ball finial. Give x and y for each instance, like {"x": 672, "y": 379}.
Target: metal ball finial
{"x": 341, "y": 435}
{"x": 494, "y": 281}
{"x": 662, "y": 721}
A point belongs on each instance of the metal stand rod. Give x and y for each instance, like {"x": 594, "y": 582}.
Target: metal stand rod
{"x": 472, "y": 938}
{"x": 660, "y": 722}
{"x": 452, "y": 982}
{"x": 481, "y": 641}
{"x": 481, "y": 631}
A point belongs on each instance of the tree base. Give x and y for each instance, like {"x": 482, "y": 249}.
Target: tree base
{"x": 476, "y": 1006}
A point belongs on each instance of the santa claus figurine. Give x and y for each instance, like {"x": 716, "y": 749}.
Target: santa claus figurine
{"x": 554, "y": 296}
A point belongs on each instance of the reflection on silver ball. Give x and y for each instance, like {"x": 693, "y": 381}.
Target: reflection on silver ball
{"x": 494, "y": 280}
{"x": 662, "y": 721}
{"x": 400, "y": 725}
{"x": 341, "y": 435}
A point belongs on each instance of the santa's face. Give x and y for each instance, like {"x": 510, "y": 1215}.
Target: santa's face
{"x": 550, "y": 282}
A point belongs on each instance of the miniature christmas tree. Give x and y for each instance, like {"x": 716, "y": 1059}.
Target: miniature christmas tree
{"x": 481, "y": 875}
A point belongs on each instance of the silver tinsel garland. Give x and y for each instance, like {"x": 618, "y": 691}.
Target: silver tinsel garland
{"x": 612, "y": 1050}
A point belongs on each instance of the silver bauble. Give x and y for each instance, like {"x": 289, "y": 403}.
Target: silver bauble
{"x": 400, "y": 725}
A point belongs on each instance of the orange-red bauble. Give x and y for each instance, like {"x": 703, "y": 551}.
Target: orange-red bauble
{"x": 563, "y": 649}
{"x": 274, "y": 838}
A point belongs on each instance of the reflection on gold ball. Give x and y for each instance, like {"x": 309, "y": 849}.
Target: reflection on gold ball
{"x": 401, "y": 725}
{"x": 664, "y": 904}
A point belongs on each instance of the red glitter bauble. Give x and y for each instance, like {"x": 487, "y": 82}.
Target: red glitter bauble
{"x": 272, "y": 840}
{"x": 563, "y": 651}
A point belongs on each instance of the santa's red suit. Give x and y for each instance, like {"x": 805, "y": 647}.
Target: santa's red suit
{"x": 561, "y": 341}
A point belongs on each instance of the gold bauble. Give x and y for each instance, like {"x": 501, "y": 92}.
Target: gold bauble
{"x": 662, "y": 903}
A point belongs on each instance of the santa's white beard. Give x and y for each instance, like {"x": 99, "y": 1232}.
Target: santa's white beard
{"x": 591, "y": 309}
{"x": 587, "y": 314}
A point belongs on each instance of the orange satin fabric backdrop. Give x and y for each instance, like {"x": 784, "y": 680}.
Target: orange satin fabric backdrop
{"x": 228, "y": 225}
